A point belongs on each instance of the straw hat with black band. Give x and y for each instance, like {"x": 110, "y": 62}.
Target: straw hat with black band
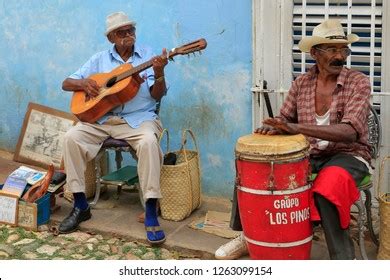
{"x": 329, "y": 32}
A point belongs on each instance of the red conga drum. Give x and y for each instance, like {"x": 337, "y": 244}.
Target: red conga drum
{"x": 273, "y": 195}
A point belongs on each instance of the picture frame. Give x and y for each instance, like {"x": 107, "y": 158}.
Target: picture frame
{"x": 27, "y": 215}
{"x": 41, "y": 136}
{"x": 9, "y": 205}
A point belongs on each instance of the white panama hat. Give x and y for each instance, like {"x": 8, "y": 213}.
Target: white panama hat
{"x": 329, "y": 32}
{"x": 116, "y": 20}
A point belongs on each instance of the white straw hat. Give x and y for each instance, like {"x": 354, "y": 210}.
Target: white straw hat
{"x": 329, "y": 32}
{"x": 117, "y": 20}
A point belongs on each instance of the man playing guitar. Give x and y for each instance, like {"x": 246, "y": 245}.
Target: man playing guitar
{"x": 135, "y": 121}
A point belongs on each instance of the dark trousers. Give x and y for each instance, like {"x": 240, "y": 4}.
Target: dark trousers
{"x": 339, "y": 243}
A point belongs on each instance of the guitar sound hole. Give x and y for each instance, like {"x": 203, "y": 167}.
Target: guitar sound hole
{"x": 111, "y": 82}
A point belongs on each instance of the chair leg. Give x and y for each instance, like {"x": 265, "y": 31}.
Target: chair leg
{"x": 361, "y": 221}
{"x": 98, "y": 174}
{"x": 368, "y": 204}
{"x": 118, "y": 160}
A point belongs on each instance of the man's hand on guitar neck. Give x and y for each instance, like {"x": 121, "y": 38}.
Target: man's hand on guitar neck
{"x": 159, "y": 63}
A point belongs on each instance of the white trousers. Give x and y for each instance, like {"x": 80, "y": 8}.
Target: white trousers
{"x": 83, "y": 142}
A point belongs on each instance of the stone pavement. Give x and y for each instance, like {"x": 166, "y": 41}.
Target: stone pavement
{"x": 114, "y": 232}
{"x": 17, "y": 243}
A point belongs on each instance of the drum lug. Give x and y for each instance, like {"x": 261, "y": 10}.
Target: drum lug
{"x": 271, "y": 178}
{"x": 309, "y": 172}
{"x": 237, "y": 180}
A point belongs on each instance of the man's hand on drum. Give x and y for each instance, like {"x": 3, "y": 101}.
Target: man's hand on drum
{"x": 267, "y": 130}
{"x": 273, "y": 126}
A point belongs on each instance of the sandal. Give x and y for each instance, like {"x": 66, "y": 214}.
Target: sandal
{"x": 153, "y": 230}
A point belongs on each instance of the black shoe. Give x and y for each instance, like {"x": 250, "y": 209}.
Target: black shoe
{"x": 71, "y": 223}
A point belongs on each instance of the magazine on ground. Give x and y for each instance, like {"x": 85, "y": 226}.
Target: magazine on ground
{"x": 14, "y": 186}
{"x": 57, "y": 181}
{"x": 17, "y": 181}
{"x": 54, "y": 187}
{"x": 38, "y": 176}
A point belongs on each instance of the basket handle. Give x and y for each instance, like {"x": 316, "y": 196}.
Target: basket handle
{"x": 381, "y": 175}
{"x": 165, "y": 131}
{"x": 183, "y": 148}
{"x": 184, "y": 142}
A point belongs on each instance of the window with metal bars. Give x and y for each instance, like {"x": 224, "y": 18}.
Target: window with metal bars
{"x": 362, "y": 17}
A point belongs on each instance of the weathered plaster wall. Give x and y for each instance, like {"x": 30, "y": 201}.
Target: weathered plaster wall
{"x": 44, "y": 41}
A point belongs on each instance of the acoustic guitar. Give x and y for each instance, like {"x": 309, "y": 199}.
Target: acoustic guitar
{"x": 119, "y": 86}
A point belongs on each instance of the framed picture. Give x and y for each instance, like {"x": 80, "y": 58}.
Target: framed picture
{"x": 8, "y": 209}
{"x": 40, "y": 140}
{"x": 27, "y": 215}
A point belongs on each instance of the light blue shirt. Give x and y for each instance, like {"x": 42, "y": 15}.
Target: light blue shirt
{"x": 143, "y": 106}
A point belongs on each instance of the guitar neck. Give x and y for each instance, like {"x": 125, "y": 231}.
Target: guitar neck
{"x": 192, "y": 47}
{"x": 135, "y": 70}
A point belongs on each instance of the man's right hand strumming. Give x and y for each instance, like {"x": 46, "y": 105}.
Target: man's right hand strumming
{"x": 89, "y": 86}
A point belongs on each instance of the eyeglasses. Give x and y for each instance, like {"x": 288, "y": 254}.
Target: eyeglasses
{"x": 122, "y": 33}
{"x": 334, "y": 51}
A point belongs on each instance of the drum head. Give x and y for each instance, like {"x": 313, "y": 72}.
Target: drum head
{"x": 269, "y": 147}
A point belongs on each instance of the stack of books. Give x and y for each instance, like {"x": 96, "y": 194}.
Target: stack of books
{"x": 23, "y": 177}
{"x": 20, "y": 178}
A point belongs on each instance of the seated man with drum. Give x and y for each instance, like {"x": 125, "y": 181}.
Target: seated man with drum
{"x": 135, "y": 121}
{"x": 329, "y": 105}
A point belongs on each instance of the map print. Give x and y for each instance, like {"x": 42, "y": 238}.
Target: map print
{"x": 43, "y": 138}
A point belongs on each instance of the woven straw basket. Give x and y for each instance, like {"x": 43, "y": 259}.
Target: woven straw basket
{"x": 90, "y": 178}
{"x": 180, "y": 183}
{"x": 384, "y": 212}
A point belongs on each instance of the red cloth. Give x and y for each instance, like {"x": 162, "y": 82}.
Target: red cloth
{"x": 338, "y": 186}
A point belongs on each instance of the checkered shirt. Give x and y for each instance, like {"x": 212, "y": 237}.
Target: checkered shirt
{"x": 350, "y": 104}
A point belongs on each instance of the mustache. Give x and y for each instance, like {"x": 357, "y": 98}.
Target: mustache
{"x": 337, "y": 63}
{"x": 131, "y": 37}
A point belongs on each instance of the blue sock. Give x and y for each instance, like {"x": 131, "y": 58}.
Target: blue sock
{"x": 151, "y": 220}
{"x": 80, "y": 201}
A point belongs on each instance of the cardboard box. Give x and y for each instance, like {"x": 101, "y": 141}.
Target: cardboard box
{"x": 32, "y": 215}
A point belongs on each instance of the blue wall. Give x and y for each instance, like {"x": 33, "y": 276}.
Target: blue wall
{"x": 43, "y": 41}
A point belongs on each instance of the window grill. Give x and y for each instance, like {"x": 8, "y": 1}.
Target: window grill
{"x": 362, "y": 17}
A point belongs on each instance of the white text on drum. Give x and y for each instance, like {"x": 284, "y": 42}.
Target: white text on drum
{"x": 279, "y": 219}
{"x": 284, "y": 218}
{"x": 299, "y": 215}
{"x": 286, "y": 203}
